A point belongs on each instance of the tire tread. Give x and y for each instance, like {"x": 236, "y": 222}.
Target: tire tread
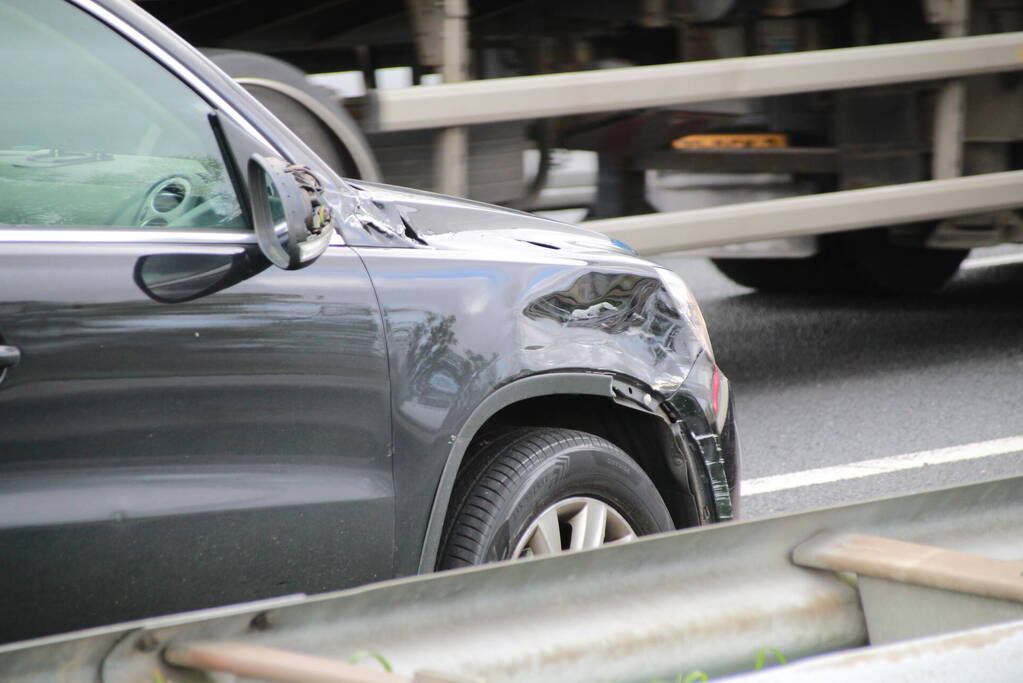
{"x": 488, "y": 482}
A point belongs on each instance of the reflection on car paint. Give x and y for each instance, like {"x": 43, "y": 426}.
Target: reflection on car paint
{"x": 622, "y": 321}
{"x": 293, "y": 430}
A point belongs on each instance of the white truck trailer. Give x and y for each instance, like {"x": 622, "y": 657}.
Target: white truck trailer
{"x": 773, "y": 99}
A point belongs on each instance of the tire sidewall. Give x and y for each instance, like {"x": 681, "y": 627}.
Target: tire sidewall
{"x": 332, "y": 149}
{"x": 579, "y": 471}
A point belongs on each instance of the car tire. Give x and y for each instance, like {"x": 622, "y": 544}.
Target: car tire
{"x": 535, "y": 491}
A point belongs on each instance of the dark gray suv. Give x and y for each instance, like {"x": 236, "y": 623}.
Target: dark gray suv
{"x": 227, "y": 374}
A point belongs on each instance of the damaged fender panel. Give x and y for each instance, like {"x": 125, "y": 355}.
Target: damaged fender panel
{"x": 502, "y": 296}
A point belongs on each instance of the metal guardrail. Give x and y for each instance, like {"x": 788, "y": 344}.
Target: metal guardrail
{"x": 992, "y": 654}
{"x": 816, "y": 214}
{"x": 583, "y": 92}
{"x": 706, "y": 599}
{"x": 528, "y": 97}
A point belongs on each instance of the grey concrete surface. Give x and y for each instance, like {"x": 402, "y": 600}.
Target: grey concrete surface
{"x": 823, "y": 380}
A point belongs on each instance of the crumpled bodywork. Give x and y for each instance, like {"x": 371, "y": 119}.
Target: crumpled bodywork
{"x": 503, "y": 295}
{"x": 580, "y": 300}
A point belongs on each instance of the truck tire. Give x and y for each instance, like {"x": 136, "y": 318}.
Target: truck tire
{"x": 776, "y": 274}
{"x": 879, "y": 266}
{"x": 307, "y": 109}
{"x": 862, "y": 261}
{"x": 538, "y": 491}
{"x": 495, "y": 172}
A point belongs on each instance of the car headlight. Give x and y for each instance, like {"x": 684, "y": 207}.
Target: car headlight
{"x": 687, "y": 306}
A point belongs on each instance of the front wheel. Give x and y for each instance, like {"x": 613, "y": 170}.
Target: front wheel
{"x": 541, "y": 491}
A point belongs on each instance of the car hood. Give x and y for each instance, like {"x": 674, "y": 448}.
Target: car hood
{"x": 448, "y": 222}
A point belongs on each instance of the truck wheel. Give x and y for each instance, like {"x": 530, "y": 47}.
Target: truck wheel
{"x": 879, "y": 266}
{"x": 495, "y": 172}
{"x": 777, "y": 274}
{"x": 307, "y": 109}
{"x": 541, "y": 491}
{"x": 863, "y": 261}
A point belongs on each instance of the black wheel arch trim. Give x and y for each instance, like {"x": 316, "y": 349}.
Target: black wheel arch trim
{"x": 605, "y": 385}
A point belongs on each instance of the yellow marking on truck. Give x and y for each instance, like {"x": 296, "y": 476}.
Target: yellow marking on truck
{"x": 731, "y": 141}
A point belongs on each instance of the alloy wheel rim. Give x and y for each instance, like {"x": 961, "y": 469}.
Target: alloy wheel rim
{"x": 573, "y": 524}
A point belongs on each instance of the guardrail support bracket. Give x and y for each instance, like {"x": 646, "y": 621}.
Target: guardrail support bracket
{"x": 909, "y": 590}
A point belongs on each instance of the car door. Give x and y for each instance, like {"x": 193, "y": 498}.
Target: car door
{"x": 181, "y": 426}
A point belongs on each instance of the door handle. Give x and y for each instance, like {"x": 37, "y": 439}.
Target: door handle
{"x": 9, "y": 355}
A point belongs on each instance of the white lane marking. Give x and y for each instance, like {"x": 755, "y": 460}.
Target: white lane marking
{"x": 870, "y": 468}
{"x": 988, "y": 261}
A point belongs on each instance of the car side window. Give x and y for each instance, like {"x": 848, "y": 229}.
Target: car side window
{"x": 94, "y": 132}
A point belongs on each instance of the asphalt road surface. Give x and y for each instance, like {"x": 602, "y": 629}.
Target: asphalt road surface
{"x": 855, "y": 397}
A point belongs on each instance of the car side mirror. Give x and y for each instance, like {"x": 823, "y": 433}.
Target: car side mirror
{"x": 178, "y": 277}
{"x": 292, "y": 226}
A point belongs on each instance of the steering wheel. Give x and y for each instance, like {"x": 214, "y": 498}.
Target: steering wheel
{"x": 175, "y": 200}
{"x": 172, "y": 201}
